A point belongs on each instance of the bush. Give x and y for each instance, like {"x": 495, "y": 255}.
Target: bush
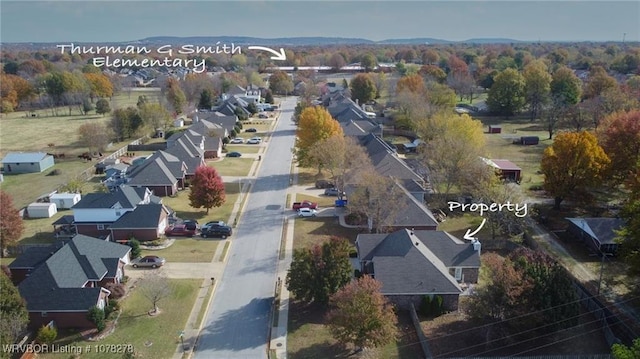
{"x": 425, "y": 306}
{"x": 47, "y": 334}
{"x": 96, "y": 316}
{"x": 117, "y": 290}
{"x": 112, "y": 307}
{"x": 225, "y": 140}
{"x": 436, "y": 306}
{"x": 135, "y": 247}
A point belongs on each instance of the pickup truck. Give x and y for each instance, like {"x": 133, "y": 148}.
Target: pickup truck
{"x": 304, "y": 204}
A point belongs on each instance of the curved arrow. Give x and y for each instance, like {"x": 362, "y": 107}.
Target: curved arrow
{"x": 469, "y": 235}
{"x": 279, "y": 56}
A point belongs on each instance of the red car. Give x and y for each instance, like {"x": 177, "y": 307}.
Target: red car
{"x": 180, "y": 230}
{"x": 304, "y": 204}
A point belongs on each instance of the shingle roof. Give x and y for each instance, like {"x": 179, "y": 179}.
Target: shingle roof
{"x": 125, "y": 196}
{"x": 144, "y": 216}
{"x": 386, "y": 161}
{"x": 601, "y": 229}
{"x": 22, "y": 157}
{"x": 405, "y": 264}
{"x": 33, "y": 256}
{"x": 56, "y": 285}
{"x": 155, "y": 172}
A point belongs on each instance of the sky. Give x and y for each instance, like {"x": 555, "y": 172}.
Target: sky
{"x": 122, "y": 21}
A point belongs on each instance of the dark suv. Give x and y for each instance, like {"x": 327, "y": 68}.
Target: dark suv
{"x": 216, "y": 231}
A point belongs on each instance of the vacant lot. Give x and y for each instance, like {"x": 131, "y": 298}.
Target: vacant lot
{"x": 151, "y": 336}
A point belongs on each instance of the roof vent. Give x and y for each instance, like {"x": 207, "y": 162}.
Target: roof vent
{"x": 417, "y": 243}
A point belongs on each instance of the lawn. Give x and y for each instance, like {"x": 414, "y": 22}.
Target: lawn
{"x": 243, "y": 148}
{"x": 312, "y": 230}
{"x": 151, "y": 337}
{"x": 233, "y": 166}
{"x": 322, "y": 201}
{"x": 188, "y": 250}
{"x": 40, "y": 230}
{"x": 180, "y": 204}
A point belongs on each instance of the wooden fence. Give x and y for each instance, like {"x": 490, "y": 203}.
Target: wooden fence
{"x": 424, "y": 344}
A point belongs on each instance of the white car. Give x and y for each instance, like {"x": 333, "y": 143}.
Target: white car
{"x": 307, "y": 212}
{"x": 237, "y": 140}
{"x": 254, "y": 140}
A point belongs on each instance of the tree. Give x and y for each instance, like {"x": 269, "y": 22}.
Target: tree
{"x": 11, "y": 226}
{"x": 368, "y": 61}
{"x": 207, "y": 189}
{"x": 155, "y": 116}
{"x": 47, "y": 334}
{"x": 566, "y": 87}
{"x": 206, "y": 100}
{"x": 280, "y": 83}
{"x": 361, "y": 315}
{"x": 175, "y": 96}
{"x": 537, "y": 86}
{"x": 314, "y": 124}
{"x": 136, "y": 251}
{"x": 96, "y": 316}
{"x": 328, "y": 153}
{"x": 363, "y": 88}
{"x": 94, "y": 136}
{"x": 433, "y": 73}
{"x": 506, "y": 95}
{"x": 268, "y": 98}
{"x": 413, "y": 83}
{"x": 463, "y": 84}
{"x": 99, "y": 84}
{"x": 619, "y": 136}
{"x": 598, "y": 82}
{"x": 155, "y": 287}
{"x": 621, "y": 351}
{"x": 573, "y": 163}
{"x": 13, "y": 312}
{"x": 629, "y": 235}
{"x": 336, "y": 61}
{"x": 317, "y": 273}
{"x": 126, "y": 123}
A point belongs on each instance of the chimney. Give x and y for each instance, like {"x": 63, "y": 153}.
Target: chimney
{"x": 476, "y": 245}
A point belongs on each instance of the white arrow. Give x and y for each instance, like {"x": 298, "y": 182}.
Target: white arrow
{"x": 469, "y": 235}
{"x": 279, "y": 56}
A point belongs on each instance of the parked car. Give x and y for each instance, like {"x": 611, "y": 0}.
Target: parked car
{"x": 216, "y": 231}
{"x": 251, "y": 129}
{"x": 180, "y": 230}
{"x": 333, "y": 192}
{"x": 254, "y": 140}
{"x": 148, "y": 261}
{"x": 305, "y": 204}
{"x": 237, "y": 140}
{"x": 324, "y": 184}
{"x": 213, "y": 224}
{"x": 234, "y": 154}
{"x": 191, "y": 224}
{"x": 263, "y": 115}
{"x": 307, "y": 212}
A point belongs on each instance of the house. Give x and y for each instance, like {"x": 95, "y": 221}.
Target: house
{"x": 61, "y": 283}
{"x": 411, "y": 264}
{"x": 505, "y": 169}
{"x": 386, "y": 161}
{"x": 146, "y": 222}
{"x": 599, "y": 234}
{"x": 97, "y": 212}
{"x": 41, "y": 210}
{"x": 27, "y": 162}
{"x": 65, "y": 200}
{"x": 162, "y": 173}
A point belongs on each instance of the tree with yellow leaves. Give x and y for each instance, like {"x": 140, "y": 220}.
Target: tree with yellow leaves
{"x": 315, "y": 124}
{"x": 572, "y": 164}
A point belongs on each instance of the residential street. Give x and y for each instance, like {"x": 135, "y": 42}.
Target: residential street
{"x": 238, "y": 321}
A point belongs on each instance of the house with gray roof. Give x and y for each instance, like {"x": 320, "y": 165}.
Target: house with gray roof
{"x": 162, "y": 173}
{"x": 386, "y": 161}
{"x": 598, "y": 234}
{"x": 71, "y": 279}
{"x": 97, "y": 213}
{"x": 26, "y": 162}
{"x": 413, "y": 263}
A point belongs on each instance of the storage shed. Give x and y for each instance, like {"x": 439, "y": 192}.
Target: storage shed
{"x": 495, "y": 129}
{"x": 41, "y": 210}
{"x": 65, "y": 200}
{"x": 27, "y": 162}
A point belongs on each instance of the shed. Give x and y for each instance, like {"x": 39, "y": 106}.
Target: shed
{"x": 599, "y": 234}
{"x": 42, "y": 210}
{"x": 529, "y": 140}
{"x": 506, "y": 169}
{"x": 27, "y": 162}
{"x": 178, "y": 122}
{"x": 495, "y": 129}
{"x": 65, "y": 200}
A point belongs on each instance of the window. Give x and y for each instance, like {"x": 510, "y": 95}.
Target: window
{"x": 118, "y": 213}
{"x": 100, "y": 227}
{"x": 458, "y": 274}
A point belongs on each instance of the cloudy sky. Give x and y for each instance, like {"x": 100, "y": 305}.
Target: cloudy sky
{"x": 115, "y": 21}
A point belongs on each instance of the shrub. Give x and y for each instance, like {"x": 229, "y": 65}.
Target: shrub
{"x": 112, "y": 307}
{"x": 117, "y": 290}
{"x": 225, "y": 140}
{"x": 425, "y": 306}
{"x": 47, "y": 334}
{"x": 96, "y": 316}
{"x": 135, "y": 247}
{"x": 436, "y": 306}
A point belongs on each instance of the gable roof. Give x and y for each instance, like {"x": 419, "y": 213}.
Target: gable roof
{"x": 125, "y": 196}
{"x": 144, "y": 216}
{"x": 601, "y": 229}
{"x": 162, "y": 169}
{"x": 57, "y": 284}
{"x": 33, "y": 256}
{"x": 504, "y": 165}
{"x": 405, "y": 263}
{"x": 386, "y": 161}
{"x": 23, "y": 157}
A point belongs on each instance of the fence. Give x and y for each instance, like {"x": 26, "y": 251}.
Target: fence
{"x": 148, "y": 147}
{"x": 567, "y": 356}
{"x": 423, "y": 338}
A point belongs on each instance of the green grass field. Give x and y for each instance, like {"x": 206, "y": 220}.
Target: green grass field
{"x": 187, "y": 250}
{"x": 232, "y": 166}
{"x": 183, "y": 209}
{"x": 151, "y": 336}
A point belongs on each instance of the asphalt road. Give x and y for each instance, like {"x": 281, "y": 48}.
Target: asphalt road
{"x": 238, "y": 321}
